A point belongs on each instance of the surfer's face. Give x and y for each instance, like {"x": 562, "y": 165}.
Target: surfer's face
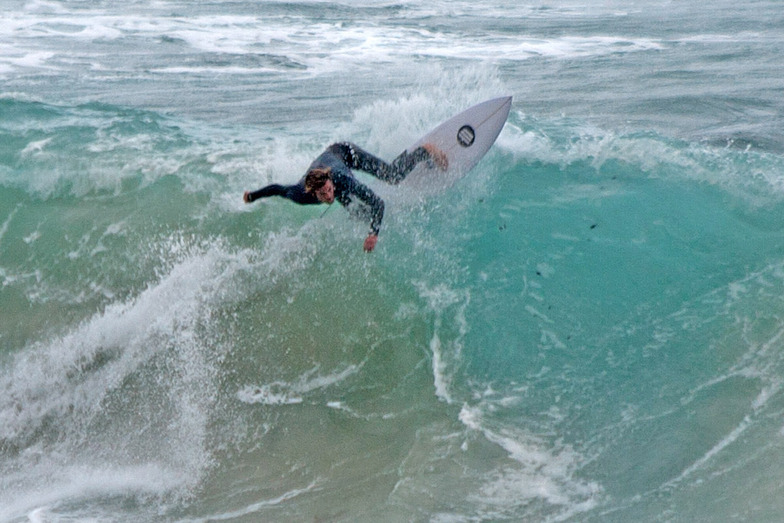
{"x": 326, "y": 193}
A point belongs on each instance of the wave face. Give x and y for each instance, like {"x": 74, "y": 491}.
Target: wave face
{"x": 587, "y": 327}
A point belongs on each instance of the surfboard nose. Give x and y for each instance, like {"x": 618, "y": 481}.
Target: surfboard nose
{"x": 502, "y": 100}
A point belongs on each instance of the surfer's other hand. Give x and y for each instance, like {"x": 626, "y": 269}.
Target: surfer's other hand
{"x": 437, "y": 156}
{"x": 370, "y": 242}
{"x": 246, "y": 197}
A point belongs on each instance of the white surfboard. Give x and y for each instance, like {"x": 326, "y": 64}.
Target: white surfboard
{"x": 464, "y": 139}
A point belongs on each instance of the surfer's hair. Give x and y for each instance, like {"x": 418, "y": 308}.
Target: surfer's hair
{"x": 316, "y": 179}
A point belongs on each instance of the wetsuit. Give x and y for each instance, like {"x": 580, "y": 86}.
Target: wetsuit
{"x": 340, "y": 158}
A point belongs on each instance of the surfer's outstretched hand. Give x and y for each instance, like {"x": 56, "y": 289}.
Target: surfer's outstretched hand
{"x": 437, "y": 155}
{"x": 370, "y": 242}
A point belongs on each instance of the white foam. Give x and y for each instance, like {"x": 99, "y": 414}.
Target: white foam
{"x": 40, "y": 379}
{"x": 291, "y": 393}
{"x": 275, "y": 393}
{"x": 750, "y": 175}
{"x": 440, "y": 378}
{"x": 32, "y": 59}
{"x": 35, "y": 147}
{"x": 540, "y": 473}
{"x": 32, "y": 237}
{"x": 198, "y": 70}
{"x": 317, "y": 47}
{"x": 516, "y": 49}
{"x": 253, "y": 508}
{"x": 80, "y": 482}
{"x": 7, "y": 222}
{"x": 441, "y": 300}
{"x": 43, "y": 6}
{"x": 62, "y": 386}
{"x": 703, "y": 460}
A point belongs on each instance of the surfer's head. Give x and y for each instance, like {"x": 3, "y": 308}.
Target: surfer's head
{"x": 319, "y": 183}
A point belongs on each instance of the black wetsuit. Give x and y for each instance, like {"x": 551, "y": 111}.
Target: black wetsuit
{"x": 340, "y": 158}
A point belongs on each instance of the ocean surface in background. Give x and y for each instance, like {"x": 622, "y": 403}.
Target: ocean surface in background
{"x": 589, "y": 327}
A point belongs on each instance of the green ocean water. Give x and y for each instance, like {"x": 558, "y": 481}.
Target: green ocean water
{"x": 585, "y": 328}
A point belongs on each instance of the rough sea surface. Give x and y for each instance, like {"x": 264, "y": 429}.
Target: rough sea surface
{"x": 588, "y": 327}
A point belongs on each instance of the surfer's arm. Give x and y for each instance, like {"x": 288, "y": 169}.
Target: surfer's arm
{"x": 370, "y": 198}
{"x": 357, "y": 158}
{"x": 296, "y": 193}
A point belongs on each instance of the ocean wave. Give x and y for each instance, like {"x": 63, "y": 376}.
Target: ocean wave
{"x": 584, "y": 327}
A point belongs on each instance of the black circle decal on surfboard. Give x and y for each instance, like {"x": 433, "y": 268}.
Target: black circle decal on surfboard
{"x": 466, "y": 136}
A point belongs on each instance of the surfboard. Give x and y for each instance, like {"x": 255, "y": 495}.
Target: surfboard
{"x": 465, "y": 139}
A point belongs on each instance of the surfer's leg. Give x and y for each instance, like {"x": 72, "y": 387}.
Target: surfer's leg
{"x": 394, "y": 173}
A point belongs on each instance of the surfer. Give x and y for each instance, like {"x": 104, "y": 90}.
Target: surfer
{"x": 329, "y": 178}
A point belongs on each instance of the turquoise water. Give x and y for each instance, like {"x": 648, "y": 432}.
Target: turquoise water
{"x": 586, "y": 328}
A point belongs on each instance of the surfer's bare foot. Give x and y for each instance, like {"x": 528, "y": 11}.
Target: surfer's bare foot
{"x": 246, "y": 197}
{"x": 437, "y": 155}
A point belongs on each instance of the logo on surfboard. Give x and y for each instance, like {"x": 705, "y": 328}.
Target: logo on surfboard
{"x": 466, "y": 136}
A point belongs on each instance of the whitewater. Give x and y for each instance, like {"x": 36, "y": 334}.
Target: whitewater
{"x": 587, "y": 327}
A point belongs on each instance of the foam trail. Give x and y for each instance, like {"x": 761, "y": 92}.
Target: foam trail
{"x": 541, "y": 472}
{"x": 439, "y": 369}
{"x": 7, "y": 222}
{"x": 253, "y": 508}
{"x": 440, "y": 299}
{"x": 285, "y": 393}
